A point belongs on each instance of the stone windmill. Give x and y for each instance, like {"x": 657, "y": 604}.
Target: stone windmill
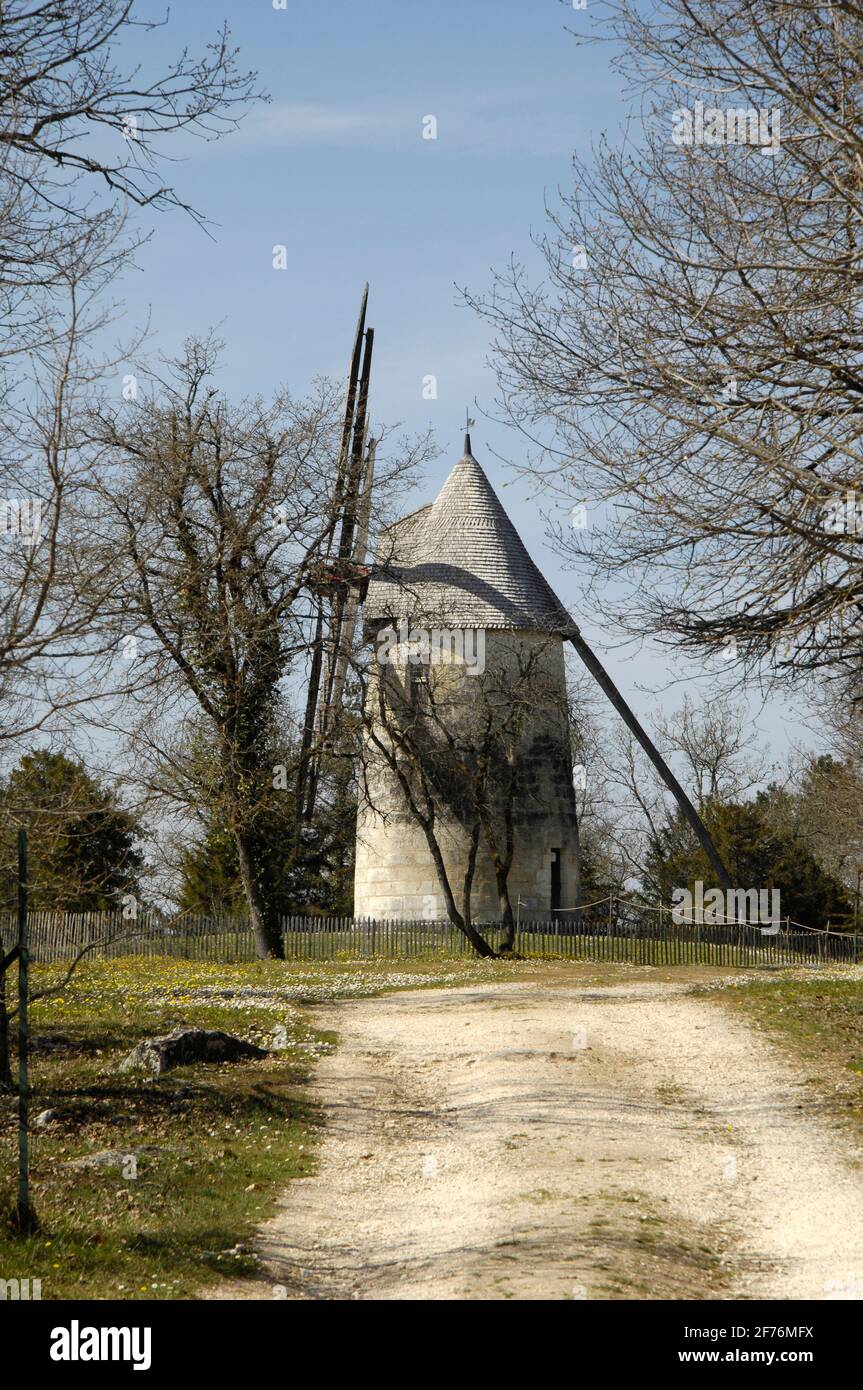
{"x": 456, "y": 579}
{"x": 456, "y": 567}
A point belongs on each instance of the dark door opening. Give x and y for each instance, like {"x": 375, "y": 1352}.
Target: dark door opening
{"x": 555, "y": 879}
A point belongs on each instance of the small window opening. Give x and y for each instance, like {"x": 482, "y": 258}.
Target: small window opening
{"x": 555, "y": 879}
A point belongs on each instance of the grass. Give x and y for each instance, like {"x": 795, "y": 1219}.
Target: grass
{"x": 213, "y": 1145}
{"x": 819, "y": 1023}
{"x": 645, "y": 1253}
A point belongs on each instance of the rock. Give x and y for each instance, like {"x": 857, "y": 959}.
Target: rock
{"x": 106, "y": 1158}
{"x": 46, "y": 1117}
{"x": 187, "y": 1045}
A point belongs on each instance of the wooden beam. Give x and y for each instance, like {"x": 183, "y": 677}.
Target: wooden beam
{"x": 610, "y": 690}
{"x": 306, "y": 778}
{"x": 351, "y": 469}
{"x": 348, "y": 625}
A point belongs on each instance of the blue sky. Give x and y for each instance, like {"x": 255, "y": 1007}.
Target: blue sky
{"x": 336, "y": 169}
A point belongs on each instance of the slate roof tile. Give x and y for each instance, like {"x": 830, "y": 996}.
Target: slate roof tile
{"x": 461, "y": 563}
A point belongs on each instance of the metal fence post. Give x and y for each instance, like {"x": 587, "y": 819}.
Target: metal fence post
{"x": 26, "y": 1215}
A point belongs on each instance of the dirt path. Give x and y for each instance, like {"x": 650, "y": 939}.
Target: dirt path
{"x": 557, "y": 1141}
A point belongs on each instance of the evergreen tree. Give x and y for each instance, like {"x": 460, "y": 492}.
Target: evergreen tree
{"x": 759, "y": 854}
{"x": 82, "y": 846}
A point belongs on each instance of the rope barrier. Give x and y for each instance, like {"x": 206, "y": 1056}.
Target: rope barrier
{"x": 713, "y": 921}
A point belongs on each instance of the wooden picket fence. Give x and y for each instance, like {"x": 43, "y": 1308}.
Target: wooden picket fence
{"x": 615, "y": 929}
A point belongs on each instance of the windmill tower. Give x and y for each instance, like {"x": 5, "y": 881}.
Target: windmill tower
{"x": 457, "y": 565}
{"x": 456, "y": 578}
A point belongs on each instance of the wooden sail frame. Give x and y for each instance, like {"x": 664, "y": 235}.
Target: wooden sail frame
{"x": 339, "y": 580}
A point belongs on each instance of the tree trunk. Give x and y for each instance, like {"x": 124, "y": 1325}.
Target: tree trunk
{"x": 469, "y": 873}
{"x": 503, "y": 863}
{"x": 507, "y": 916}
{"x": 265, "y": 923}
{"x": 479, "y": 944}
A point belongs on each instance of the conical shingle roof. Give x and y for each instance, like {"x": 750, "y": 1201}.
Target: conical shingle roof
{"x": 461, "y": 563}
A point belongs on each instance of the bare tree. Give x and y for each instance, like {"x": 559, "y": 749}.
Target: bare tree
{"x": 822, "y": 800}
{"x": 50, "y": 645}
{"x": 81, "y": 141}
{"x": 110, "y": 935}
{"x": 713, "y": 744}
{"x": 717, "y": 743}
{"x": 602, "y": 830}
{"x": 78, "y": 121}
{"x": 827, "y": 810}
{"x": 693, "y": 358}
{"x": 515, "y": 703}
{"x": 212, "y": 518}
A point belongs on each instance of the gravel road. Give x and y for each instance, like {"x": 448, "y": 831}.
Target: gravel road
{"x": 560, "y": 1140}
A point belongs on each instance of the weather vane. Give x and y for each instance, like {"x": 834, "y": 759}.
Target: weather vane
{"x": 467, "y": 428}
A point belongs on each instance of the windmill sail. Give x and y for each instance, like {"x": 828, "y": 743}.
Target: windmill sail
{"x": 348, "y": 626}
{"x": 333, "y": 580}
